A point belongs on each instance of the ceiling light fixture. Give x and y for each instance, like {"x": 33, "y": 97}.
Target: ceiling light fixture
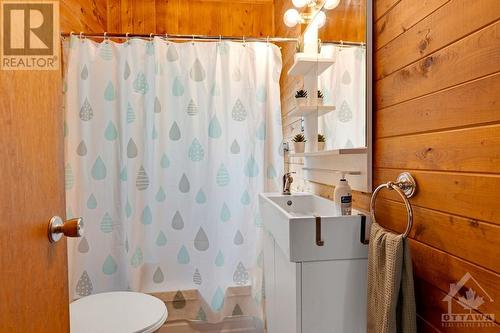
{"x": 292, "y": 17}
{"x": 331, "y": 4}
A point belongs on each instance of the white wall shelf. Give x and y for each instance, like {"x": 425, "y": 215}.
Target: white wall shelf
{"x": 306, "y": 64}
{"x": 306, "y": 110}
{"x": 345, "y": 172}
{"x": 343, "y": 151}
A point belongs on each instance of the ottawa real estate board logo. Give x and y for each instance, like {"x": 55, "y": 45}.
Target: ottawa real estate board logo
{"x": 467, "y": 304}
{"x": 29, "y": 35}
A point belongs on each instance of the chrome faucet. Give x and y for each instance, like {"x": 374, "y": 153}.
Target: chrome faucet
{"x": 287, "y": 182}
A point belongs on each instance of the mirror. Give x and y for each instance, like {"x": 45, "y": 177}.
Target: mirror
{"x": 342, "y": 86}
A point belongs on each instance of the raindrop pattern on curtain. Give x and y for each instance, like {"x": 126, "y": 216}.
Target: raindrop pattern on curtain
{"x": 167, "y": 147}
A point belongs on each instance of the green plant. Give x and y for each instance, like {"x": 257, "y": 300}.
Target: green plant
{"x": 320, "y": 94}
{"x": 299, "y": 46}
{"x": 299, "y": 138}
{"x": 321, "y": 138}
{"x": 301, "y": 94}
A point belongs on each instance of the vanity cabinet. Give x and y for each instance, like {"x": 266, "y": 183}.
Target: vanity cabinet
{"x": 311, "y": 288}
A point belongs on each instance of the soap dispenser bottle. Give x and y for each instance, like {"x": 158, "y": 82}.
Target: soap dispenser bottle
{"x": 342, "y": 196}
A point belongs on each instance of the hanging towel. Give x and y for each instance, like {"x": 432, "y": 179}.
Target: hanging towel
{"x": 391, "y": 297}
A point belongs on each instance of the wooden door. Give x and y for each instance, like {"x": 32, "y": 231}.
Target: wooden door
{"x": 33, "y": 272}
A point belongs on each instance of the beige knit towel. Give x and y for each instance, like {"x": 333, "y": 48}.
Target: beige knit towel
{"x": 391, "y": 297}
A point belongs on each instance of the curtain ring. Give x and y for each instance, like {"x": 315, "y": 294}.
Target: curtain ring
{"x": 166, "y": 37}
{"x": 220, "y": 38}
{"x": 267, "y": 40}
{"x": 244, "y": 43}
{"x": 127, "y": 38}
{"x": 70, "y": 35}
{"x": 81, "y": 36}
{"x": 151, "y": 37}
{"x": 106, "y": 38}
{"x": 192, "y": 40}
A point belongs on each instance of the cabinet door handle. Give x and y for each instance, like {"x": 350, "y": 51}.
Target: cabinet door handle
{"x": 319, "y": 241}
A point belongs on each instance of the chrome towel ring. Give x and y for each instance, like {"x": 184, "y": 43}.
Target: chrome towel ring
{"x": 405, "y": 186}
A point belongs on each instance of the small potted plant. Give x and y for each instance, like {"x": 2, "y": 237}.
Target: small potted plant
{"x": 320, "y": 97}
{"x": 299, "y": 143}
{"x": 301, "y": 97}
{"x": 321, "y": 142}
{"x": 299, "y": 47}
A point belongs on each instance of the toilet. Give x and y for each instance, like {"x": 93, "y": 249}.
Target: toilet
{"x": 117, "y": 312}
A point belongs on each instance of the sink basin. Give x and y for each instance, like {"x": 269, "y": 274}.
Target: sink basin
{"x": 291, "y": 221}
{"x": 315, "y": 269}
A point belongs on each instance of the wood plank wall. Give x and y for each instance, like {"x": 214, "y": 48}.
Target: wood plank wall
{"x": 204, "y": 17}
{"x": 437, "y": 114}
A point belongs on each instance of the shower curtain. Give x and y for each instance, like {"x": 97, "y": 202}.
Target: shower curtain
{"x": 167, "y": 146}
{"x": 344, "y": 86}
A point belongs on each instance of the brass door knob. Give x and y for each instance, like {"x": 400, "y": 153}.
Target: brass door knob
{"x": 70, "y": 228}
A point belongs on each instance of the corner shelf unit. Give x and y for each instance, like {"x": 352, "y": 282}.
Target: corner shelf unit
{"x": 305, "y": 64}
{"x": 306, "y": 110}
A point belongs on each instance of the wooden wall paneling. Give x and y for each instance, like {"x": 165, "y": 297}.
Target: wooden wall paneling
{"x": 380, "y": 7}
{"x": 430, "y": 302}
{"x": 113, "y": 11}
{"x": 473, "y": 196}
{"x": 402, "y": 17}
{"x": 472, "y": 57}
{"x": 441, "y": 269}
{"x": 465, "y": 150}
{"x": 434, "y": 32}
{"x": 437, "y": 70}
{"x": 423, "y": 326}
{"x": 232, "y": 18}
{"x": 345, "y": 22}
{"x": 470, "y": 104}
{"x": 203, "y": 17}
{"x": 83, "y": 15}
{"x": 465, "y": 238}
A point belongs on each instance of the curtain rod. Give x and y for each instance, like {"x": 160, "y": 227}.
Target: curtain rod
{"x": 179, "y": 37}
{"x": 203, "y": 37}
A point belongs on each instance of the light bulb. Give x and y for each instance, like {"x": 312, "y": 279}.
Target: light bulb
{"x": 330, "y": 4}
{"x": 291, "y": 18}
{"x": 320, "y": 19}
{"x": 300, "y": 3}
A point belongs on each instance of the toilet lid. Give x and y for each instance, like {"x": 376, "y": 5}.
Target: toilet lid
{"x": 117, "y": 312}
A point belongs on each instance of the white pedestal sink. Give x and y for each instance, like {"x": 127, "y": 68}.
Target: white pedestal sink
{"x": 315, "y": 265}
